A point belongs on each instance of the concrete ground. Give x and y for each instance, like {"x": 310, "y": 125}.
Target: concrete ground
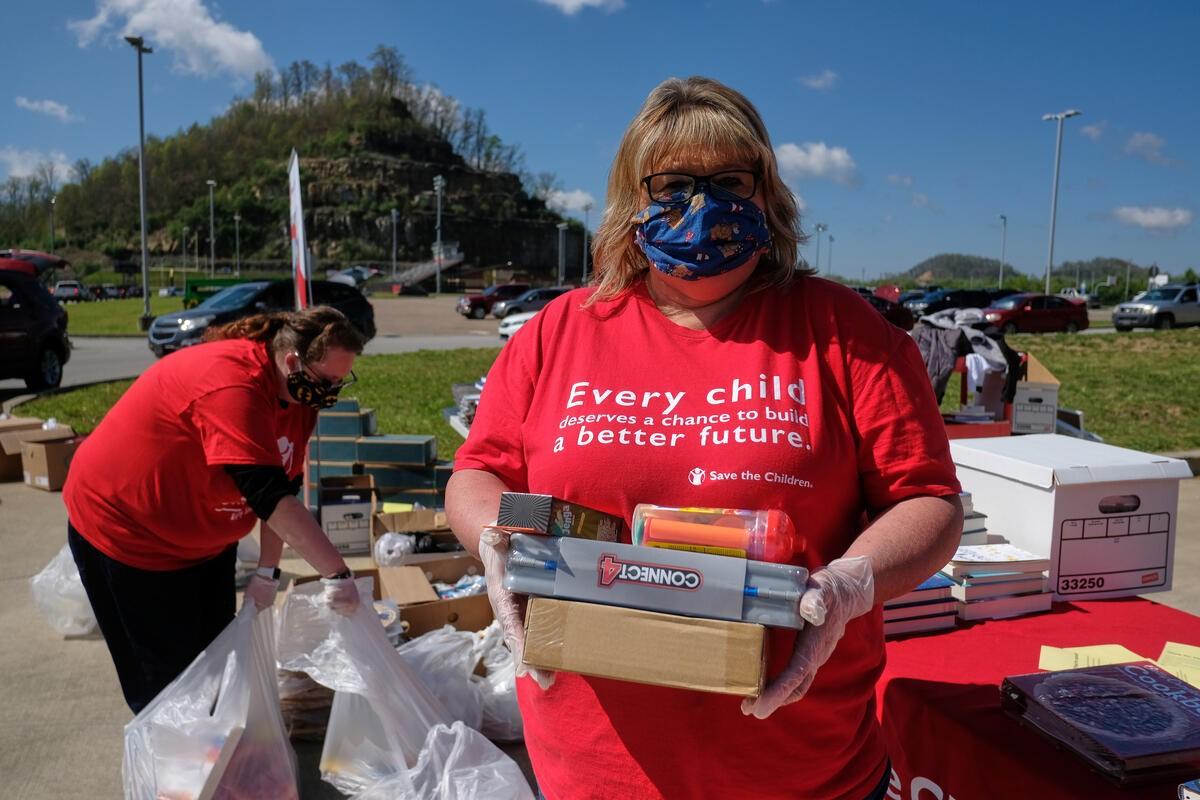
{"x": 63, "y": 711}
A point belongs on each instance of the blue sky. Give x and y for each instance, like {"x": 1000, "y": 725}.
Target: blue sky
{"x": 907, "y": 128}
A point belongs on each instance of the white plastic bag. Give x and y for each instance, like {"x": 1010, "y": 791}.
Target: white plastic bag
{"x": 59, "y": 596}
{"x": 216, "y": 730}
{"x": 445, "y": 660}
{"x": 391, "y": 548}
{"x": 389, "y": 737}
{"x": 497, "y": 690}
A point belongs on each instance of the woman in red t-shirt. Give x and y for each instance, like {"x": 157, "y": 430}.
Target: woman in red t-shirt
{"x": 201, "y": 444}
{"x": 703, "y": 368}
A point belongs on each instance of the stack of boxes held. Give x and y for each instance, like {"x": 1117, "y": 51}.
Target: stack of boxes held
{"x": 360, "y": 469}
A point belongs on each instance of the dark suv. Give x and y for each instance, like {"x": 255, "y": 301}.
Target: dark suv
{"x": 949, "y": 298}
{"x": 185, "y": 328}
{"x": 33, "y": 332}
{"x": 478, "y": 306}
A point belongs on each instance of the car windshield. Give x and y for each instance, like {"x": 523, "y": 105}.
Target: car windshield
{"x": 1009, "y": 302}
{"x": 491, "y": 290}
{"x": 1165, "y": 293}
{"x": 230, "y": 297}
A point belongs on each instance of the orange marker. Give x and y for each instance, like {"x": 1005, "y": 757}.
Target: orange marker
{"x": 758, "y": 535}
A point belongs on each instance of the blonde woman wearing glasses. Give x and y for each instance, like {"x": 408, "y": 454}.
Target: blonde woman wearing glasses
{"x": 704, "y": 368}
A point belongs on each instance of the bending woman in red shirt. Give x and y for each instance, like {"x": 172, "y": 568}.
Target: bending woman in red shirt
{"x": 703, "y": 368}
{"x": 201, "y": 444}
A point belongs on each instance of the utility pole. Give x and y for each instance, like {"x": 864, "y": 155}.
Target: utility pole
{"x": 587, "y": 207}
{"x": 144, "y": 321}
{"x": 212, "y": 240}
{"x": 395, "y": 214}
{"x": 439, "y": 185}
{"x": 820, "y": 227}
{"x": 52, "y": 200}
{"x": 183, "y": 253}
{"x": 562, "y": 252}
{"x": 1003, "y": 247}
{"x": 237, "y": 243}
{"x": 830, "y": 262}
{"x": 1059, "y": 117}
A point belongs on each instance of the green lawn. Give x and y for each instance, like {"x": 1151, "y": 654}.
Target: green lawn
{"x": 115, "y": 317}
{"x": 407, "y": 391}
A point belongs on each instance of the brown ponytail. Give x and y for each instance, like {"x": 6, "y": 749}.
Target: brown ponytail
{"x": 309, "y": 333}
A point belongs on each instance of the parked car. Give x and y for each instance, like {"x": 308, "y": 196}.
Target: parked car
{"x": 131, "y": 290}
{"x": 169, "y": 291}
{"x": 949, "y": 298}
{"x": 1162, "y": 307}
{"x": 71, "y": 291}
{"x": 911, "y": 294}
{"x": 107, "y": 291}
{"x": 33, "y": 332}
{"x": 513, "y": 322}
{"x": 1036, "y": 313}
{"x": 478, "y": 306}
{"x": 1090, "y": 300}
{"x": 533, "y": 300}
{"x": 413, "y": 289}
{"x": 997, "y": 294}
{"x": 185, "y": 328}
{"x": 894, "y": 313}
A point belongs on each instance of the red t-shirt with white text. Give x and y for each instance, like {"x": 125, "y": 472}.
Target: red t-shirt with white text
{"x": 803, "y": 399}
{"x": 147, "y": 487}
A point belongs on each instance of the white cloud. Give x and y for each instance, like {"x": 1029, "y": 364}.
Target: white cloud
{"x": 823, "y": 81}
{"x": 573, "y": 200}
{"x": 817, "y": 160}
{"x": 1153, "y": 218}
{"x": 1148, "y": 146}
{"x": 901, "y": 180}
{"x": 18, "y": 163}
{"x": 920, "y": 200}
{"x": 48, "y": 107}
{"x": 1095, "y": 130}
{"x": 572, "y": 7}
{"x": 198, "y": 43}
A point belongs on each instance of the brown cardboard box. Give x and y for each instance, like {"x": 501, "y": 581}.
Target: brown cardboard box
{"x": 411, "y": 587}
{"x": 14, "y": 432}
{"x": 45, "y": 463}
{"x": 628, "y": 644}
{"x": 422, "y": 521}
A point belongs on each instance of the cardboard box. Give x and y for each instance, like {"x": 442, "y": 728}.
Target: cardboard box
{"x": 421, "y": 608}
{"x": 14, "y": 433}
{"x": 347, "y": 423}
{"x": 426, "y": 521}
{"x": 703, "y": 655}
{"x": 347, "y": 506}
{"x": 44, "y": 464}
{"x": 1035, "y": 405}
{"x": 399, "y": 476}
{"x": 441, "y": 474}
{"x": 1103, "y": 515}
{"x": 397, "y": 449}
{"x": 333, "y": 448}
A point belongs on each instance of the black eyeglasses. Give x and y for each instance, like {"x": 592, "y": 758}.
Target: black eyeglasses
{"x": 329, "y": 385}
{"x": 679, "y": 187}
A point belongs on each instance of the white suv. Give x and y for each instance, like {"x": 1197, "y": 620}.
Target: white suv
{"x": 1163, "y": 307}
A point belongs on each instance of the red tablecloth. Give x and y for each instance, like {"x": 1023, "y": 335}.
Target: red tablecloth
{"x": 939, "y": 703}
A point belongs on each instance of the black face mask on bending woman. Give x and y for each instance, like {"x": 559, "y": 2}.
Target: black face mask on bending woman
{"x": 312, "y": 392}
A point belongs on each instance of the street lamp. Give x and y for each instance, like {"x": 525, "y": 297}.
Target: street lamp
{"x": 212, "y": 242}
{"x": 395, "y": 214}
{"x": 237, "y": 243}
{"x": 52, "y": 199}
{"x": 1003, "y": 246}
{"x": 439, "y": 186}
{"x": 139, "y": 44}
{"x": 1059, "y": 117}
{"x": 183, "y": 253}
{"x": 829, "y": 263}
{"x": 586, "y": 208}
{"x": 562, "y": 253}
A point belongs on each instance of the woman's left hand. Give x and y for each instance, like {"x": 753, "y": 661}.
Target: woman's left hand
{"x": 835, "y": 595}
{"x": 262, "y": 591}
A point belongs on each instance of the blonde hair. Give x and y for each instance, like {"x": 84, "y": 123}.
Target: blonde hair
{"x": 708, "y": 120}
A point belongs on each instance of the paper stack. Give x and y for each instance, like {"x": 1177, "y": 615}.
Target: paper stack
{"x": 928, "y": 607}
{"x": 996, "y": 581}
{"x": 974, "y": 523}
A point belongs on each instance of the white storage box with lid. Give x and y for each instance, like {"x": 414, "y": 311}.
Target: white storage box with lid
{"x": 1103, "y": 515}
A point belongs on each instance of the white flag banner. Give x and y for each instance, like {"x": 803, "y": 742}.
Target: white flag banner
{"x": 300, "y": 267}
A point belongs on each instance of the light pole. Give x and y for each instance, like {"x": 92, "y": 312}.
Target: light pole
{"x": 237, "y": 243}
{"x": 829, "y": 263}
{"x": 439, "y": 185}
{"x": 820, "y": 227}
{"x": 1059, "y": 117}
{"x": 212, "y": 242}
{"x": 562, "y": 252}
{"x": 140, "y": 45}
{"x": 183, "y": 253}
{"x": 1003, "y": 247}
{"x": 395, "y": 214}
{"x": 52, "y": 199}
{"x": 586, "y": 208}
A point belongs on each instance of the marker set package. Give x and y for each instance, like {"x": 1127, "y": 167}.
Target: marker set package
{"x": 737, "y": 532}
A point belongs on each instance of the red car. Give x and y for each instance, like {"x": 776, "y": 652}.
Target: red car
{"x": 478, "y": 306}
{"x": 1036, "y": 313}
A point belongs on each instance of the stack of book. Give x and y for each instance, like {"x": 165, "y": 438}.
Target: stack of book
{"x": 974, "y": 523}
{"x": 929, "y": 607}
{"x": 996, "y": 581}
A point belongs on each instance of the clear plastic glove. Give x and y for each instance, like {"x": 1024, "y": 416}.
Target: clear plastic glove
{"x": 261, "y": 591}
{"x": 835, "y": 595}
{"x": 341, "y": 594}
{"x": 493, "y": 550}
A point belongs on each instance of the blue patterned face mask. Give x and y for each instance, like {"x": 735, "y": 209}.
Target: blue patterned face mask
{"x": 703, "y": 238}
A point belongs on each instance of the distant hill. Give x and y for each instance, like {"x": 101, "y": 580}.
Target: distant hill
{"x": 959, "y": 269}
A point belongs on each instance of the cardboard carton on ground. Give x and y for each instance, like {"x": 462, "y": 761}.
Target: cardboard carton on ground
{"x": 412, "y": 589}
{"x": 44, "y": 464}
{"x": 347, "y": 506}
{"x": 14, "y": 433}
{"x": 1035, "y": 404}
{"x": 427, "y": 521}
{"x": 1104, "y": 516}
{"x": 704, "y": 655}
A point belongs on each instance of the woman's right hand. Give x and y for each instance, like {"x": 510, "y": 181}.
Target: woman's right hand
{"x": 341, "y": 594}
{"x": 493, "y": 551}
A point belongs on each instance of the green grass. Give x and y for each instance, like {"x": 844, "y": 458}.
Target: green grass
{"x": 115, "y": 317}
{"x": 408, "y": 392}
{"x": 1137, "y": 390}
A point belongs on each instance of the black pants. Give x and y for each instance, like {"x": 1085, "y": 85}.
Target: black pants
{"x": 155, "y": 623}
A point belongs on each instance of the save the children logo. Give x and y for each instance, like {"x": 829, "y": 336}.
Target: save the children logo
{"x": 696, "y": 476}
{"x": 612, "y": 570}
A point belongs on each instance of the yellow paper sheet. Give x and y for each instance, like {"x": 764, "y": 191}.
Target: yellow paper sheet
{"x": 396, "y": 508}
{"x": 1057, "y": 658}
{"x": 1182, "y": 661}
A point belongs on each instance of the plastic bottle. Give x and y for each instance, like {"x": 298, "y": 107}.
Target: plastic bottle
{"x": 766, "y": 535}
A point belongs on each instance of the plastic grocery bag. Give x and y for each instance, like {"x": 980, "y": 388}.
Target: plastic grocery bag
{"x": 497, "y": 690}
{"x": 389, "y": 737}
{"x": 59, "y": 596}
{"x": 445, "y": 660}
{"x": 216, "y": 730}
